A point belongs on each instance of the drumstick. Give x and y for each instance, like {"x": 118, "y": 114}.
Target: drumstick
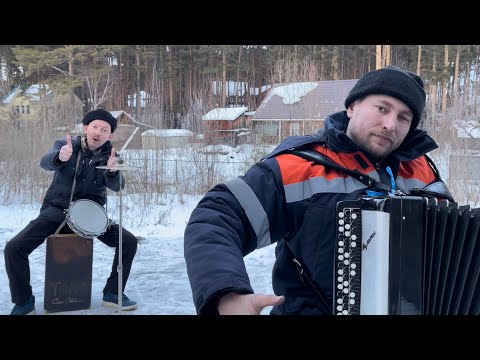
{"x": 128, "y": 141}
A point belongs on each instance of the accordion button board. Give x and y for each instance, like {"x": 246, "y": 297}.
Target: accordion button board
{"x": 406, "y": 255}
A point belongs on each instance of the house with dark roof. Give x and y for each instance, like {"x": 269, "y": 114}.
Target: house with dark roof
{"x": 298, "y": 108}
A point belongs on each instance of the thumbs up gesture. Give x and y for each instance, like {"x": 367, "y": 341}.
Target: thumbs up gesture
{"x": 112, "y": 160}
{"x": 66, "y": 150}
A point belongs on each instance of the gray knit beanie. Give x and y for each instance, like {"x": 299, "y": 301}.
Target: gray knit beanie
{"x": 392, "y": 81}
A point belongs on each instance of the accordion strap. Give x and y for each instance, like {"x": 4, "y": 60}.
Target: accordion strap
{"x": 436, "y": 189}
{"x": 324, "y": 160}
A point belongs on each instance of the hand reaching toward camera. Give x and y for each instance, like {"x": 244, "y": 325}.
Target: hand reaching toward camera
{"x": 246, "y": 304}
{"x": 66, "y": 150}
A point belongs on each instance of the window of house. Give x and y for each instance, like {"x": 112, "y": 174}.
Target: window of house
{"x": 270, "y": 130}
{"x": 24, "y": 111}
{"x": 28, "y": 109}
{"x": 17, "y": 109}
{"x": 316, "y": 127}
{"x": 295, "y": 129}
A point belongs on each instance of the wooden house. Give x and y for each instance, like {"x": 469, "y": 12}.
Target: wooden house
{"x": 223, "y": 125}
{"x": 24, "y": 105}
{"x": 298, "y": 108}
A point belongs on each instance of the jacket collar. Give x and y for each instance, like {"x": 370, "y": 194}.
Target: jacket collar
{"x": 105, "y": 148}
{"x": 416, "y": 143}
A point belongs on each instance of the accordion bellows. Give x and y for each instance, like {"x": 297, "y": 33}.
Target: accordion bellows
{"x": 404, "y": 255}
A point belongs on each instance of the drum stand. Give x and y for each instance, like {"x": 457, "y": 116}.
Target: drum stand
{"x": 119, "y": 168}
{"x": 120, "y": 244}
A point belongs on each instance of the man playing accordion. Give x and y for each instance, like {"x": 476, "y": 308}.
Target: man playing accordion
{"x": 291, "y": 200}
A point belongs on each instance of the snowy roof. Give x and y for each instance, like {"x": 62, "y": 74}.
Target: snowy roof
{"x": 10, "y": 96}
{"x": 312, "y": 100}
{"x": 224, "y": 113}
{"x": 33, "y": 91}
{"x": 168, "y": 132}
{"x": 292, "y": 93}
{"x": 116, "y": 114}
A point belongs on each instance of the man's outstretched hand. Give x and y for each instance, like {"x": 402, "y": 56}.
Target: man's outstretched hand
{"x": 247, "y": 304}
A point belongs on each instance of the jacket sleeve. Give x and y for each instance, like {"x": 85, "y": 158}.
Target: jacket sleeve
{"x": 50, "y": 161}
{"x": 232, "y": 220}
{"x": 112, "y": 180}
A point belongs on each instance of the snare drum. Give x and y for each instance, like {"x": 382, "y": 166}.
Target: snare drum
{"x": 87, "y": 218}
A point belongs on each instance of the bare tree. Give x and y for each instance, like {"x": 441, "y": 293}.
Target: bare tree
{"x": 98, "y": 84}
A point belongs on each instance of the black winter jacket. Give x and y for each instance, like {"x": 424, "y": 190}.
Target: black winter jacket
{"x": 91, "y": 182}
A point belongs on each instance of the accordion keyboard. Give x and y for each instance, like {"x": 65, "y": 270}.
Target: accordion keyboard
{"x": 348, "y": 249}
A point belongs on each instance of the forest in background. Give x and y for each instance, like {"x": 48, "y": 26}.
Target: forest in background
{"x": 183, "y": 82}
{"x": 180, "y": 80}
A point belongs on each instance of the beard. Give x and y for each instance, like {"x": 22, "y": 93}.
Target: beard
{"x": 374, "y": 150}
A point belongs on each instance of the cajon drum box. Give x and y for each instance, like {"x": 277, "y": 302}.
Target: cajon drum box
{"x": 68, "y": 273}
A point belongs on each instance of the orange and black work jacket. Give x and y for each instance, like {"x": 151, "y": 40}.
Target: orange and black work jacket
{"x": 286, "y": 197}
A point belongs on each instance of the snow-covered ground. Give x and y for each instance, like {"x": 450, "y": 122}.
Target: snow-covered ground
{"x": 158, "y": 279}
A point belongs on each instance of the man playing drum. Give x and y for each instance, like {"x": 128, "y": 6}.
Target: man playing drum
{"x": 94, "y": 149}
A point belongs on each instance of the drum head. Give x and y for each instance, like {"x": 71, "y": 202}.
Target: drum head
{"x": 88, "y": 217}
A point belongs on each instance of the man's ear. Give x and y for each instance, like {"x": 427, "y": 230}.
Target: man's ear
{"x": 110, "y": 137}
{"x": 350, "y": 109}
{"x": 85, "y": 129}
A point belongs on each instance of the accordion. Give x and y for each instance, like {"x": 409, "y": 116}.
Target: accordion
{"x": 404, "y": 255}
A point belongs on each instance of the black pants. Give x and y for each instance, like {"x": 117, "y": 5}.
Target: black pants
{"x": 35, "y": 233}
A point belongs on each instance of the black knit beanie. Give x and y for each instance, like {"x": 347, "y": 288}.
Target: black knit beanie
{"x": 100, "y": 114}
{"x": 392, "y": 81}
